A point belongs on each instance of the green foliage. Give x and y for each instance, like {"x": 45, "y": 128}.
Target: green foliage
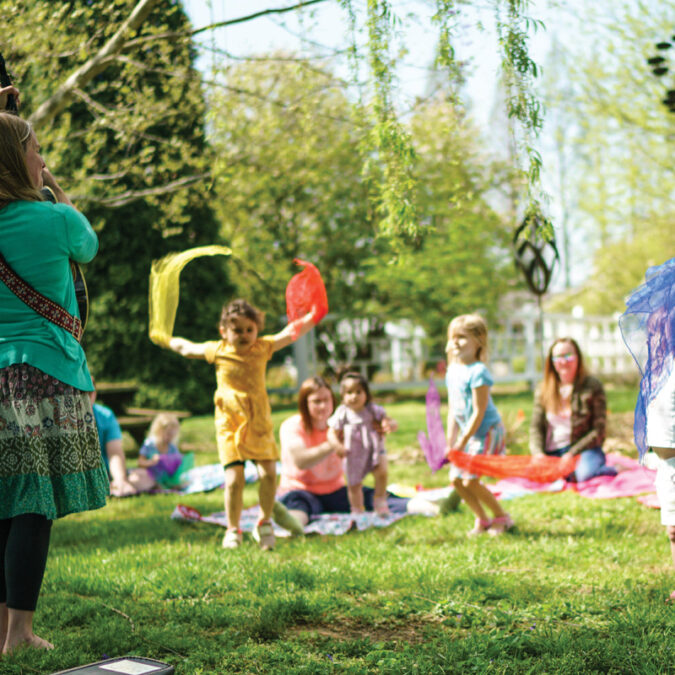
{"x": 390, "y": 149}
{"x": 444, "y": 18}
{"x": 133, "y": 135}
{"x": 519, "y": 72}
{"x": 288, "y": 181}
{"x": 616, "y": 132}
{"x": 618, "y": 269}
{"x": 463, "y": 263}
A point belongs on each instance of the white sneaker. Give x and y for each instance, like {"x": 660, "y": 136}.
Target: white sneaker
{"x": 263, "y": 533}
{"x": 233, "y": 539}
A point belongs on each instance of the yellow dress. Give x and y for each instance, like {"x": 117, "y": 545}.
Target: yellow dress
{"x": 243, "y": 415}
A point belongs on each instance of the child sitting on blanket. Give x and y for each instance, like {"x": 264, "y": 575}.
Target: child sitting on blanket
{"x": 159, "y": 454}
{"x": 356, "y": 430}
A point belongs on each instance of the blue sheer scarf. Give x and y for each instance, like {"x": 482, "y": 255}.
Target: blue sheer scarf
{"x": 648, "y": 328}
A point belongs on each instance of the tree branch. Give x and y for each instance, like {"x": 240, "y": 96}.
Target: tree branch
{"x": 130, "y": 196}
{"x": 85, "y": 73}
{"x": 106, "y": 114}
{"x": 256, "y": 15}
{"x": 222, "y": 24}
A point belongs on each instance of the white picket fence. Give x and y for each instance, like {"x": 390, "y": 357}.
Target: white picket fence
{"x": 521, "y": 342}
{"x": 518, "y": 345}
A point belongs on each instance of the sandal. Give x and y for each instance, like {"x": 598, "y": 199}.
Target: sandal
{"x": 501, "y": 524}
{"x": 479, "y": 527}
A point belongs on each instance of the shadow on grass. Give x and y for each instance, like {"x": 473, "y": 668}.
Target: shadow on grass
{"x": 131, "y": 531}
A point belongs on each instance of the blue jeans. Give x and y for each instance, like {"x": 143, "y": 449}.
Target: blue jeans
{"x": 592, "y": 462}
{"x": 336, "y": 502}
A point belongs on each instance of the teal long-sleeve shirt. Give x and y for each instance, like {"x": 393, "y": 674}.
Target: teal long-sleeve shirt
{"x": 38, "y": 240}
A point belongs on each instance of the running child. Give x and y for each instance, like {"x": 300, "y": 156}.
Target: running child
{"x": 243, "y": 417}
{"x": 356, "y": 430}
{"x": 474, "y": 424}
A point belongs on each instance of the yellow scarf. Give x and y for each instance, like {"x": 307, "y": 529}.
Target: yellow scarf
{"x": 165, "y": 286}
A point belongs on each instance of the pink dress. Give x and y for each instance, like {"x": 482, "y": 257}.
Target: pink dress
{"x": 364, "y": 444}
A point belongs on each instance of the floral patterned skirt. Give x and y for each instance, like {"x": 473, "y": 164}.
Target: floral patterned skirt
{"x": 50, "y": 457}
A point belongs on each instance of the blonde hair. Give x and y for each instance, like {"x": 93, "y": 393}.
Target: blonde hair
{"x": 161, "y": 422}
{"x": 474, "y": 325}
{"x": 15, "y": 181}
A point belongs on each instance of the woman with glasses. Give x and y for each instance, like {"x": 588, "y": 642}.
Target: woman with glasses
{"x": 570, "y": 412}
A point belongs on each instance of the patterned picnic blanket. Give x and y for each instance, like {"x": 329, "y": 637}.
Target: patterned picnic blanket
{"x": 634, "y": 480}
{"x": 328, "y": 523}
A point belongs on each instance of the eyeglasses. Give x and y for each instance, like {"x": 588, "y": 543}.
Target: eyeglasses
{"x": 571, "y": 356}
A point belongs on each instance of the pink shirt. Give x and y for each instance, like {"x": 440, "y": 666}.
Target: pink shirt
{"x": 559, "y": 430}
{"x": 323, "y": 478}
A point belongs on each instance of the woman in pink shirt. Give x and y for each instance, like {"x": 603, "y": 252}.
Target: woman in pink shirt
{"x": 312, "y": 475}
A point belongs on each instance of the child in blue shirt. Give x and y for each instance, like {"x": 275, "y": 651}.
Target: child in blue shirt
{"x": 474, "y": 424}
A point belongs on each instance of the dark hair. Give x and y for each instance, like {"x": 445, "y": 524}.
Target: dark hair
{"x": 238, "y": 308}
{"x": 363, "y": 382}
{"x": 310, "y": 386}
{"x": 550, "y": 394}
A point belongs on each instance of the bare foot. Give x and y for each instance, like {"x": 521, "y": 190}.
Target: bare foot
{"x": 30, "y": 641}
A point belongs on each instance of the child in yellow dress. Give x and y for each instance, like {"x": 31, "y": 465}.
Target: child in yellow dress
{"x": 243, "y": 416}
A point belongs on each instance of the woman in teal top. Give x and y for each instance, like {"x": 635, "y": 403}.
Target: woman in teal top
{"x": 50, "y": 459}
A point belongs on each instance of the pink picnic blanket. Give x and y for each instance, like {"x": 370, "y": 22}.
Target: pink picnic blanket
{"x": 632, "y": 480}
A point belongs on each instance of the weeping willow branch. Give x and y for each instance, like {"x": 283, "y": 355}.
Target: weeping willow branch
{"x": 390, "y": 147}
{"x": 444, "y": 18}
{"x": 520, "y": 72}
{"x": 390, "y": 155}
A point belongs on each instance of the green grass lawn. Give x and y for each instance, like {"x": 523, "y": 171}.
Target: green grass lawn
{"x": 578, "y": 588}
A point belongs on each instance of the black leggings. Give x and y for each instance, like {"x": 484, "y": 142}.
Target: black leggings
{"x": 24, "y": 544}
